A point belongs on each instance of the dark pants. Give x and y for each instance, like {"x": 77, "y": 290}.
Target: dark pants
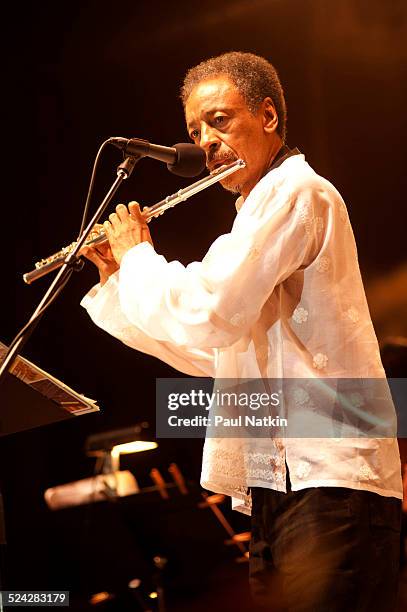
{"x": 324, "y": 550}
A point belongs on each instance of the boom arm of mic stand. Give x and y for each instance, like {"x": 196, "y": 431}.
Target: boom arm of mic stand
{"x": 123, "y": 172}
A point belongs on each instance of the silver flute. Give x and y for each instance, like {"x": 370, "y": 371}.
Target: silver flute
{"x": 97, "y": 236}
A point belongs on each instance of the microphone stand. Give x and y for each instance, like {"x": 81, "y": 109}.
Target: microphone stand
{"x": 72, "y": 262}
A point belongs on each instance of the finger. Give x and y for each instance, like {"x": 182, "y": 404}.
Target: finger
{"x": 91, "y": 254}
{"x": 122, "y": 212}
{"x": 134, "y": 208}
{"x": 114, "y": 220}
{"x": 108, "y": 229}
{"x": 104, "y": 250}
{"x": 86, "y": 251}
{"x": 95, "y": 231}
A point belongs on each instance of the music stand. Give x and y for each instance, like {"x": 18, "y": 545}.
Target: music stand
{"x": 30, "y": 397}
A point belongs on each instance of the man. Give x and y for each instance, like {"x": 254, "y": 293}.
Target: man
{"x": 280, "y": 296}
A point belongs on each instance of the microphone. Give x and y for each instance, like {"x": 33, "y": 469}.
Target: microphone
{"x": 183, "y": 159}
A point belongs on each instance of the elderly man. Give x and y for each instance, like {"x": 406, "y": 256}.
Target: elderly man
{"x": 280, "y": 296}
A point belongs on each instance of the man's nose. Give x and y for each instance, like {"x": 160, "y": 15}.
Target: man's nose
{"x": 209, "y": 139}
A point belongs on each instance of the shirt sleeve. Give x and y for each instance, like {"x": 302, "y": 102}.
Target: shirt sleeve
{"x": 213, "y": 303}
{"x": 103, "y": 306}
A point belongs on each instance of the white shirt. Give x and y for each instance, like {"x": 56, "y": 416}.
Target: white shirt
{"x": 280, "y": 296}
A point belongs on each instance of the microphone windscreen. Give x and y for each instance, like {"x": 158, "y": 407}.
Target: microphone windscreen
{"x": 191, "y": 160}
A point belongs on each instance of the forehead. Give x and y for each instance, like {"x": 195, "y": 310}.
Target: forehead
{"x": 210, "y": 95}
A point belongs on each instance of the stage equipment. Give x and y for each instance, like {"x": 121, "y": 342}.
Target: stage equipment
{"x": 109, "y": 485}
{"x": 184, "y": 159}
{"x": 31, "y": 398}
{"x": 160, "y": 563}
{"x": 98, "y": 236}
{"x": 100, "y": 598}
{"x": 108, "y": 482}
{"x": 72, "y": 262}
{"x": 136, "y": 589}
{"x": 175, "y": 541}
{"x": 88, "y": 490}
{"x": 109, "y": 445}
{"x": 240, "y": 540}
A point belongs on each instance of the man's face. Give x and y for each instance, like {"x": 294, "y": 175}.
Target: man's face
{"x": 219, "y": 121}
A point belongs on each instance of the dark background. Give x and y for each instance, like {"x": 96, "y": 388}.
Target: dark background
{"x": 78, "y": 72}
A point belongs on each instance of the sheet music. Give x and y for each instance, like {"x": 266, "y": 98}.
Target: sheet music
{"x": 49, "y": 386}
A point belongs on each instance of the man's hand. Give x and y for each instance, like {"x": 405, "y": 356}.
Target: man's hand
{"x": 125, "y": 229}
{"x": 102, "y": 256}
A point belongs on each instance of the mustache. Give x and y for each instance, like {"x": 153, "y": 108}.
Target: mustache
{"x": 222, "y": 156}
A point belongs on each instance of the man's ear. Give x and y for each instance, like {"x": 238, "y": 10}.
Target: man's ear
{"x": 270, "y": 118}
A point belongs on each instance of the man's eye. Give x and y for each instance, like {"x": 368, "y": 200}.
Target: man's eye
{"x": 219, "y": 120}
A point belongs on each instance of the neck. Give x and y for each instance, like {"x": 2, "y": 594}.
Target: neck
{"x": 274, "y": 148}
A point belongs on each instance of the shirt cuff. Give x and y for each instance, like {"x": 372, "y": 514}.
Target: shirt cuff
{"x": 138, "y": 252}
{"x": 98, "y": 292}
